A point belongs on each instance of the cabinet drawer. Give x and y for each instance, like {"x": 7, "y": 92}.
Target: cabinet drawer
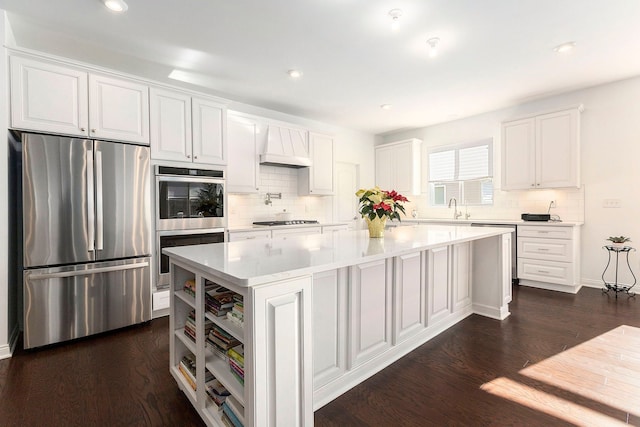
{"x": 549, "y": 249}
{"x": 235, "y": 236}
{"x": 545, "y": 271}
{"x": 547, "y": 232}
{"x": 296, "y": 231}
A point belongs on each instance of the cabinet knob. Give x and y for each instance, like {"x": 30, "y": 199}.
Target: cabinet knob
{"x": 195, "y": 157}
{"x": 83, "y": 129}
{"x": 188, "y": 156}
{"x": 533, "y": 185}
{"x": 93, "y": 130}
{"x": 538, "y": 184}
{"x": 257, "y": 188}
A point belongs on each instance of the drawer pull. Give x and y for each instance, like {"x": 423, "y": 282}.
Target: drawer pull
{"x": 543, "y": 250}
{"x": 543, "y": 232}
{"x": 543, "y": 271}
{"x": 250, "y": 237}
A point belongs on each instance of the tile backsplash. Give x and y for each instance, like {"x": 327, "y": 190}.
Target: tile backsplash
{"x": 245, "y": 208}
{"x": 510, "y": 205}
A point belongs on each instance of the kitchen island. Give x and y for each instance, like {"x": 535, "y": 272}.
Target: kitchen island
{"x": 324, "y": 312}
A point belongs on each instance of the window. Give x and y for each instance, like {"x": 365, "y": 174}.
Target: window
{"x": 463, "y": 172}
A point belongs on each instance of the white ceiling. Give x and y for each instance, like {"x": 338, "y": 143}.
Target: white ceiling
{"x": 493, "y": 53}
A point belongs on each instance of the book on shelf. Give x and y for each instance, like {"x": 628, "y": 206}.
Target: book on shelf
{"x": 231, "y": 414}
{"x": 237, "y": 408}
{"x": 218, "y": 300}
{"x": 187, "y": 376}
{"x": 189, "y": 286}
{"x": 225, "y": 420}
{"x": 216, "y": 391}
{"x": 221, "y": 339}
{"x": 187, "y": 366}
{"x": 237, "y": 354}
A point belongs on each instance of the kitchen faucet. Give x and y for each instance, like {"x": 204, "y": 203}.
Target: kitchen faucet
{"x": 456, "y": 214}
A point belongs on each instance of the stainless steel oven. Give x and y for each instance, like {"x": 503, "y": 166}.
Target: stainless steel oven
{"x": 170, "y": 239}
{"x": 189, "y": 199}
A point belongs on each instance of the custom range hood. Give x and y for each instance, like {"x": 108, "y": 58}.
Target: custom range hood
{"x": 286, "y": 147}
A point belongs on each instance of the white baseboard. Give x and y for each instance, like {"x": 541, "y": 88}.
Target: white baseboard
{"x": 589, "y": 283}
{"x": 550, "y": 286}
{"x": 7, "y": 350}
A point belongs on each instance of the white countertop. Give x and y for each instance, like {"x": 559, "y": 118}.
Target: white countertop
{"x": 251, "y": 262}
{"x": 488, "y": 221}
{"x": 263, "y": 227}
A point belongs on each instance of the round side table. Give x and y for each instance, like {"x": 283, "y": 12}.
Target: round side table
{"x": 615, "y": 286}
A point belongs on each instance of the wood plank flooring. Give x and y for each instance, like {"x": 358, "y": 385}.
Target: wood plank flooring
{"x": 559, "y": 359}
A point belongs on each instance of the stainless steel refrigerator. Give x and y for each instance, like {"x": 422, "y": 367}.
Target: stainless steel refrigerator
{"x": 86, "y": 237}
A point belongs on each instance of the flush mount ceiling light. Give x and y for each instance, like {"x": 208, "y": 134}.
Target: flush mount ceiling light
{"x": 395, "y": 15}
{"x": 433, "y": 46}
{"x": 294, "y": 74}
{"x": 386, "y": 107}
{"x": 565, "y": 47}
{"x": 116, "y": 5}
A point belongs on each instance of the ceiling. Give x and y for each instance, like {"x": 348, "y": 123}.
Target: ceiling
{"x": 492, "y": 53}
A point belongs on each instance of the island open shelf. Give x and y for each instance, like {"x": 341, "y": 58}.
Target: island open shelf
{"x": 322, "y": 313}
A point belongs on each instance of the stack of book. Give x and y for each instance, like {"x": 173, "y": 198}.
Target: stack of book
{"x": 232, "y": 412}
{"x": 236, "y": 315}
{"x": 218, "y": 300}
{"x": 216, "y": 392}
{"x": 236, "y": 362}
{"x": 187, "y": 367}
{"x": 190, "y": 326}
{"x": 220, "y": 341}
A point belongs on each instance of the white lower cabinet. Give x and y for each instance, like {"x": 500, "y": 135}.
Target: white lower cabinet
{"x": 370, "y": 311}
{"x": 283, "y": 353}
{"x": 549, "y": 257}
{"x": 329, "y": 326}
{"x": 409, "y": 296}
{"x": 461, "y": 280}
{"x": 439, "y": 289}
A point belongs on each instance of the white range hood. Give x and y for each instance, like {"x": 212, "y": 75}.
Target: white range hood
{"x": 286, "y": 147}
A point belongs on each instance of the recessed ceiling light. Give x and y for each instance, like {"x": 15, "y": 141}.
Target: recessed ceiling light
{"x": 386, "y": 106}
{"x": 294, "y": 74}
{"x": 433, "y": 46}
{"x": 116, "y": 5}
{"x": 565, "y": 47}
{"x": 395, "y": 15}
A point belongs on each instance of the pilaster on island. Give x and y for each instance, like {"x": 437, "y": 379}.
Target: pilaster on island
{"x": 321, "y": 313}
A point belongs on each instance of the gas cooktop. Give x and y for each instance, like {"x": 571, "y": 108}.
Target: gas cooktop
{"x": 290, "y": 222}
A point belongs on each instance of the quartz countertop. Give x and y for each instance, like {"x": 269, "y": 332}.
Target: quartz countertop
{"x": 262, "y": 227}
{"x": 254, "y": 262}
{"x": 489, "y": 221}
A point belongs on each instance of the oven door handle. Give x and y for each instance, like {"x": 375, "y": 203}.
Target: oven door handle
{"x": 199, "y": 179}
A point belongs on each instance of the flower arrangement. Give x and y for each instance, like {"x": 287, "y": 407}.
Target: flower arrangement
{"x": 619, "y": 239}
{"x": 382, "y": 204}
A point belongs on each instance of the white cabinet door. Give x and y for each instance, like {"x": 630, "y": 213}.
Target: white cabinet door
{"x": 557, "y": 149}
{"x": 48, "y": 98}
{"x": 461, "y": 280}
{"x": 209, "y": 132}
{"x": 370, "y": 310}
{"x": 317, "y": 179}
{"x": 244, "y": 166}
{"x": 385, "y": 168}
{"x": 235, "y": 236}
{"x": 283, "y": 354}
{"x": 170, "y": 125}
{"x": 329, "y": 326}
{"x": 409, "y": 296}
{"x": 118, "y": 109}
{"x": 518, "y": 155}
{"x": 439, "y": 297}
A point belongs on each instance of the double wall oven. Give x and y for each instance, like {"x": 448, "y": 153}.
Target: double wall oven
{"x": 191, "y": 209}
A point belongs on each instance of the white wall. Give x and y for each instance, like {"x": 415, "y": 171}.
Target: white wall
{"x": 7, "y": 312}
{"x": 610, "y": 138}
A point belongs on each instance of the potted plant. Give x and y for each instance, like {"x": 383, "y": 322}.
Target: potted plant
{"x": 618, "y": 241}
{"x": 376, "y": 206}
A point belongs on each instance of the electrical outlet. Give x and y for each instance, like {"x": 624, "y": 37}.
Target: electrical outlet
{"x": 612, "y": 203}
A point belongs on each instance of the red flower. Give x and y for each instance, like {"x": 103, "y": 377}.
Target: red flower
{"x": 382, "y": 205}
{"x": 396, "y": 197}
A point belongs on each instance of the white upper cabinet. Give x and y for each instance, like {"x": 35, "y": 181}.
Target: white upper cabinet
{"x": 542, "y": 151}
{"x": 55, "y": 98}
{"x": 185, "y": 129}
{"x": 170, "y": 125}
{"x": 118, "y": 109}
{"x": 209, "y": 123}
{"x": 317, "y": 179}
{"x": 398, "y": 166}
{"x": 48, "y": 97}
{"x": 243, "y": 171}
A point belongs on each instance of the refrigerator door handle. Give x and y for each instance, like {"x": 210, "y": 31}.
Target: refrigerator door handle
{"x": 99, "y": 211}
{"x": 86, "y": 272}
{"x": 91, "y": 220}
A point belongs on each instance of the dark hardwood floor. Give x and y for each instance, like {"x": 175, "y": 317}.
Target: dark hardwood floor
{"x": 122, "y": 378}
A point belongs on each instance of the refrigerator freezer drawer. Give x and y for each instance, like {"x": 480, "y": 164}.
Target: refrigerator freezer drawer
{"x": 71, "y": 302}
